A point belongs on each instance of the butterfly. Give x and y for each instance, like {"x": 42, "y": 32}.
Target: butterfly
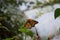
{"x": 30, "y": 23}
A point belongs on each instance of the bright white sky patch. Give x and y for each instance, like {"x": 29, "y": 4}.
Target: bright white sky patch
{"x": 23, "y": 7}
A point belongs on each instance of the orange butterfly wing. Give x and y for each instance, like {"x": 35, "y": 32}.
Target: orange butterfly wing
{"x": 30, "y": 23}
{"x": 33, "y": 22}
{"x": 27, "y": 25}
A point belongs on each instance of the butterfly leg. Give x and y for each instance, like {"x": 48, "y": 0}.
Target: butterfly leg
{"x": 37, "y": 37}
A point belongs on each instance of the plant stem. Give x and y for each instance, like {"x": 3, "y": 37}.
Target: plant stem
{"x": 25, "y": 36}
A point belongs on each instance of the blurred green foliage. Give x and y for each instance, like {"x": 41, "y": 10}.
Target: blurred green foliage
{"x": 11, "y": 23}
{"x": 42, "y": 5}
{"x": 26, "y": 31}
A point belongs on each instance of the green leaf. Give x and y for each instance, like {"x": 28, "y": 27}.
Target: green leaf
{"x": 22, "y": 30}
{"x": 30, "y": 33}
{"x": 26, "y": 31}
{"x": 57, "y": 13}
